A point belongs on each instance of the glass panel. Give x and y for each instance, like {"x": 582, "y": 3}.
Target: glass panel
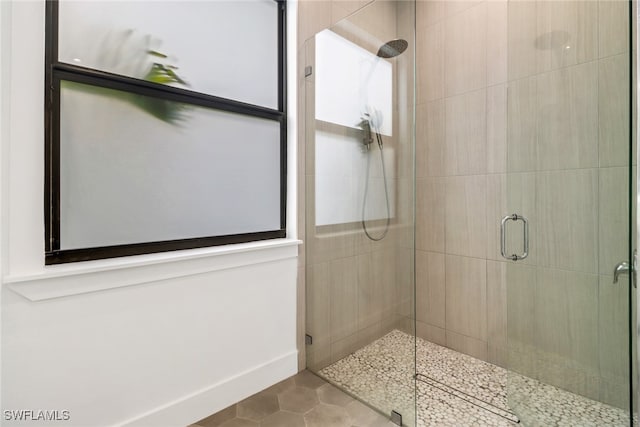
{"x": 351, "y": 81}
{"x": 341, "y": 165}
{"x": 219, "y": 54}
{"x": 360, "y": 208}
{"x": 140, "y": 169}
{"x": 568, "y": 169}
{"x": 633, "y": 213}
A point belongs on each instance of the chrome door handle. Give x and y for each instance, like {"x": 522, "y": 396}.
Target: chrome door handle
{"x": 624, "y": 268}
{"x": 621, "y": 268}
{"x": 503, "y": 237}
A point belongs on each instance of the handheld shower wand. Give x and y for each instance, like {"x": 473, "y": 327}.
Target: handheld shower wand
{"x": 366, "y": 189}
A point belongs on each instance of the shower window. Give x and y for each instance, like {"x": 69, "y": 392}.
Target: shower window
{"x": 155, "y": 141}
{"x": 351, "y": 83}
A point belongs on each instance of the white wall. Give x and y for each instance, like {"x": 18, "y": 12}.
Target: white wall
{"x": 152, "y": 340}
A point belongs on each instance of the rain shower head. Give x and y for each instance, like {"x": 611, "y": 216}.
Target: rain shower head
{"x": 392, "y": 48}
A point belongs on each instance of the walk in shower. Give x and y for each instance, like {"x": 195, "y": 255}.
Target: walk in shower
{"x": 469, "y": 175}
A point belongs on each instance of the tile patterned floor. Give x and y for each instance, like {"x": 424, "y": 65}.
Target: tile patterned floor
{"x": 304, "y": 400}
{"x": 381, "y": 374}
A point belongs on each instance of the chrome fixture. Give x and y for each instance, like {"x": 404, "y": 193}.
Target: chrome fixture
{"x": 396, "y": 418}
{"x": 392, "y": 48}
{"x": 621, "y": 268}
{"x": 365, "y": 125}
{"x": 503, "y": 237}
{"x": 624, "y": 268}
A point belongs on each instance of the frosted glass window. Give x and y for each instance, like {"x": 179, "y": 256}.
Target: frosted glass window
{"x": 351, "y": 81}
{"x": 139, "y": 169}
{"x": 341, "y": 171}
{"x": 222, "y": 48}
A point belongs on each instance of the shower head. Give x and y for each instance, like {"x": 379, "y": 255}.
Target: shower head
{"x": 392, "y": 48}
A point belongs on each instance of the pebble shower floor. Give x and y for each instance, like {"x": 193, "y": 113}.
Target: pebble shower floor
{"x": 381, "y": 374}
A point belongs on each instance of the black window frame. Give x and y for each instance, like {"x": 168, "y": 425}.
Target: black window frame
{"x": 56, "y": 71}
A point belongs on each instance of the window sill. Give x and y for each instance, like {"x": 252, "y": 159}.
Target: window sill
{"x": 75, "y": 279}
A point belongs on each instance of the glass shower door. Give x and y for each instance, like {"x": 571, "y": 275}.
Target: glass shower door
{"x": 567, "y": 213}
{"x": 359, "y": 171}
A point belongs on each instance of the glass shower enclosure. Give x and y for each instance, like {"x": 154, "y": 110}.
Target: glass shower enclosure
{"x": 483, "y": 274}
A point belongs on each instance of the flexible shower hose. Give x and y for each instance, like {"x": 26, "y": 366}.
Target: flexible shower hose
{"x": 366, "y": 191}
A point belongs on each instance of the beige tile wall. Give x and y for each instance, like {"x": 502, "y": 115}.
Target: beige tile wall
{"x": 498, "y": 91}
{"x": 458, "y": 110}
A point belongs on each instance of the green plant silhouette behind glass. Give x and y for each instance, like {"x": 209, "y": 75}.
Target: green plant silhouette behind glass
{"x": 159, "y": 72}
{"x": 167, "y": 111}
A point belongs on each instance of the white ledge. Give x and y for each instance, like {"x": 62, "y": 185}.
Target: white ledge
{"x": 92, "y": 276}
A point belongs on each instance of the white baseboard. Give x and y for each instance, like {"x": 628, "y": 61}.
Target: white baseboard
{"x": 191, "y": 408}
